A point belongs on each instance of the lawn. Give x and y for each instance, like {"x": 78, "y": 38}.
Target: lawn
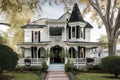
{"x": 96, "y": 76}
{"x": 22, "y": 76}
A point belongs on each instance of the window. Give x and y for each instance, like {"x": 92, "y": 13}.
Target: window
{"x": 56, "y": 31}
{"x": 81, "y": 32}
{"x": 35, "y": 36}
{"x": 73, "y": 32}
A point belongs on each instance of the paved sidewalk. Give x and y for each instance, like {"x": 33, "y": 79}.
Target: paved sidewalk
{"x": 57, "y": 75}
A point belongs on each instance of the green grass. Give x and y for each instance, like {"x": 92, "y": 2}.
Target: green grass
{"x": 96, "y": 76}
{"x": 22, "y": 76}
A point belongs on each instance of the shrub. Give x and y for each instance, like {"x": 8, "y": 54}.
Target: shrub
{"x": 43, "y": 67}
{"x": 69, "y": 66}
{"x": 42, "y": 76}
{"x": 72, "y": 76}
{"x": 89, "y": 60}
{"x": 27, "y": 68}
{"x": 111, "y": 64}
{"x": 83, "y": 69}
{"x": 8, "y": 58}
{"x": 94, "y": 67}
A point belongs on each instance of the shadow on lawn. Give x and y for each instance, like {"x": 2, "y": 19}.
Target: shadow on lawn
{"x": 111, "y": 77}
{"x": 6, "y": 77}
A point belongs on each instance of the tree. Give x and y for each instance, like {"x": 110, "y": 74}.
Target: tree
{"x": 109, "y": 13}
{"x": 8, "y": 58}
{"x": 103, "y": 39}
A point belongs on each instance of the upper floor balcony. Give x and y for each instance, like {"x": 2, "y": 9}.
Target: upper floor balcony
{"x": 56, "y": 38}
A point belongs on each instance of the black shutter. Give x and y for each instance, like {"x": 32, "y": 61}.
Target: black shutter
{"x": 84, "y": 52}
{"x": 78, "y": 51}
{"x": 32, "y": 36}
{"x": 38, "y": 36}
{"x": 84, "y": 32}
{"x": 69, "y": 32}
{"x": 32, "y": 52}
{"x": 77, "y": 31}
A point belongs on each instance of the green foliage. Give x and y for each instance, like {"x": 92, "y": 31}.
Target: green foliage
{"x": 62, "y": 55}
{"x": 43, "y": 67}
{"x": 72, "y": 76}
{"x": 69, "y": 66}
{"x": 90, "y": 60}
{"x": 67, "y": 55}
{"x": 51, "y": 54}
{"x": 94, "y": 67}
{"x": 27, "y": 68}
{"x": 83, "y": 69}
{"x": 42, "y": 76}
{"x": 103, "y": 39}
{"x": 111, "y": 64}
{"x": 8, "y": 58}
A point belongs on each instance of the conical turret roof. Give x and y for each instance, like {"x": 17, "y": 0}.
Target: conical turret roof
{"x": 76, "y": 15}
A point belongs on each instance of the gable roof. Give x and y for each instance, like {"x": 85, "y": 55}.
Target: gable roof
{"x": 88, "y": 25}
{"x": 76, "y": 14}
{"x": 64, "y": 15}
{"x": 33, "y": 26}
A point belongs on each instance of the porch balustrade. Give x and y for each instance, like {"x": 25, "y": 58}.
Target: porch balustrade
{"x": 78, "y": 60}
{"x": 83, "y": 60}
{"x": 33, "y": 60}
{"x": 55, "y": 37}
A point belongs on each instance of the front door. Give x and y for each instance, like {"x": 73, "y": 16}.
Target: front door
{"x": 56, "y": 52}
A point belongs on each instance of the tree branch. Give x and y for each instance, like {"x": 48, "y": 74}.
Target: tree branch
{"x": 98, "y": 10}
{"x": 112, "y": 13}
{"x": 118, "y": 34}
{"x": 107, "y": 15}
{"x": 117, "y": 22}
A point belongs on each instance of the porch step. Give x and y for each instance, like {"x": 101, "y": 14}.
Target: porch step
{"x": 56, "y": 67}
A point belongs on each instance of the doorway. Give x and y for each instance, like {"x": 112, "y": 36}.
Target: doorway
{"x": 55, "y": 54}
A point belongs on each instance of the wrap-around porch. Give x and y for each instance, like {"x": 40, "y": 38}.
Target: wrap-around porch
{"x": 77, "y": 54}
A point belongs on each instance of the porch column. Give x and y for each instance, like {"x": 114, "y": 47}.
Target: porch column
{"x": 37, "y": 55}
{"x": 77, "y": 59}
{"x": 77, "y": 52}
{"x": 48, "y": 50}
{"x": 23, "y": 52}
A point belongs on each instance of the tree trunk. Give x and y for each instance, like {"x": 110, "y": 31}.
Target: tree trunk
{"x": 112, "y": 46}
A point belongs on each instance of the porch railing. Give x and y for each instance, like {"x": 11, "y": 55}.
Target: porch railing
{"x": 78, "y": 60}
{"x": 83, "y": 60}
{"x": 33, "y": 60}
{"x": 55, "y": 37}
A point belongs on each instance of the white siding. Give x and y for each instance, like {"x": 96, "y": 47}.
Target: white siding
{"x": 28, "y": 36}
{"x": 44, "y": 34}
{"x": 87, "y": 34}
{"x": 27, "y": 52}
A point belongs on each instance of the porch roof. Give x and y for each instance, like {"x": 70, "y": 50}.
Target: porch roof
{"x": 85, "y": 44}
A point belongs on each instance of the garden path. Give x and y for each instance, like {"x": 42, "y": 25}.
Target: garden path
{"x": 57, "y": 75}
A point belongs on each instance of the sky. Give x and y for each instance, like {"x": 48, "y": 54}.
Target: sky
{"x": 56, "y": 11}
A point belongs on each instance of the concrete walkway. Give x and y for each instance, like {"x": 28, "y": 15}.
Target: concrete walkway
{"x": 57, "y": 75}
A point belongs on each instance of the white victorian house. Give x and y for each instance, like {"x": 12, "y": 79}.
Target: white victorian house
{"x": 69, "y": 34}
